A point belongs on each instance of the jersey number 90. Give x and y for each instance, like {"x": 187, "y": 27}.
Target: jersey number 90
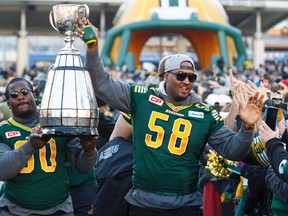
{"x": 42, "y": 156}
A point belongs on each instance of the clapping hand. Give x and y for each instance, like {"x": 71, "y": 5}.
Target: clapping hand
{"x": 250, "y": 107}
{"x": 262, "y": 90}
{"x": 234, "y": 82}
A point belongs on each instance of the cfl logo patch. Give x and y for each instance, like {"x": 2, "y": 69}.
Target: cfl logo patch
{"x": 12, "y": 134}
{"x": 156, "y": 100}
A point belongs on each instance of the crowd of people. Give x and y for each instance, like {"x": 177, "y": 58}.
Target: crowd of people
{"x": 156, "y": 130}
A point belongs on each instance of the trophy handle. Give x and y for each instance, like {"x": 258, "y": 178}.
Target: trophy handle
{"x": 51, "y": 19}
{"x": 83, "y": 11}
{"x": 87, "y": 11}
{"x": 89, "y": 36}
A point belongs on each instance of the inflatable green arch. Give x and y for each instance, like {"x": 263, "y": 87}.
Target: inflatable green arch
{"x": 124, "y": 42}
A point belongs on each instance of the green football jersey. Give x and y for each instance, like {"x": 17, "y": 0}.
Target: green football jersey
{"x": 42, "y": 183}
{"x": 168, "y": 142}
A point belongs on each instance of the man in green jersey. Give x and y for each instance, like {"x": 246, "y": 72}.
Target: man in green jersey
{"x": 170, "y": 130}
{"x": 33, "y": 166}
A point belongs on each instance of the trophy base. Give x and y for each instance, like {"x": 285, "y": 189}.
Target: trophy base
{"x": 69, "y": 131}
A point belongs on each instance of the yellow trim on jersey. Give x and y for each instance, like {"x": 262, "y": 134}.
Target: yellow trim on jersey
{"x": 203, "y": 106}
{"x": 17, "y": 124}
{"x": 176, "y": 108}
{"x": 127, "y": 117}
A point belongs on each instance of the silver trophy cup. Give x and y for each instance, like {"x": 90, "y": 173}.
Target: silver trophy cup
{"x": 68, "y": 105}
{"x": 63, "y": 17}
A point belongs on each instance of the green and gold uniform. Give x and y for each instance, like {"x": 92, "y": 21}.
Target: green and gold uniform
{"x": 45, "y": 166}
{"x": 167, "y": 139}
{"x": 171, "y": 139}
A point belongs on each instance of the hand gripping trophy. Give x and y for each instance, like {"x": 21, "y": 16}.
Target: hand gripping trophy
{"x": 69, "y": 105}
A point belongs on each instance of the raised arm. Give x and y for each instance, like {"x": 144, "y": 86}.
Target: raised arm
{"x": 113, "y": 92}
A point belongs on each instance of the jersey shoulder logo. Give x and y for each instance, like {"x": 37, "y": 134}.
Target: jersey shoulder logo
{"x": 140, "y": 89}
{"x": 216, "y": 116}
{"x": 196, "y": 114}
{"x": 156, "y": 100}
{"x": 12, "y": 134}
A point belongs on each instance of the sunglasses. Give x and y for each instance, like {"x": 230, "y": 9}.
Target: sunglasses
{"x": 14, "y": 94}
{"x": 181, "y": 76}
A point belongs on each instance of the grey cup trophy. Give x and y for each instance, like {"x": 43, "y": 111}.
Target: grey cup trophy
{"x": 69, "y": 105}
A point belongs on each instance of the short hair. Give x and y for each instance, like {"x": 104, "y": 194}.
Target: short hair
{"x": 15, "y": 80}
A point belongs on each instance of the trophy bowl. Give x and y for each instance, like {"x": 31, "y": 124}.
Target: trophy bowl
{"x": 63, "y": 17}
{"x": 69, "y": 106}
